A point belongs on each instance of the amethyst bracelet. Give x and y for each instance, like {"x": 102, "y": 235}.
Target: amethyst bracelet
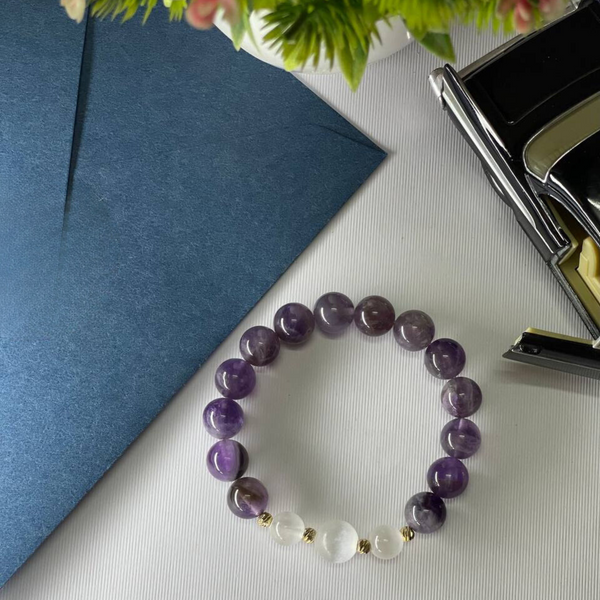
{"x": 294, "y": 324}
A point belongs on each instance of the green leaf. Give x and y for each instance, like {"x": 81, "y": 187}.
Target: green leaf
{"x": 317, "y": 52}
{"x": 249, "y": 30}
{"x": 149, "y": 9}
{"x": 176, "y": 10}
{"x": 238, "y": 30}
{"x": 376, "y": 34}
{"x": 304, "y": 30}
{"x": 292, "y": 59}
{"x": 417, "y": 34}
{"x": 439, "y": 44}
{"x": 329, "y": 48}
{"x": 131, "y": 10}
{"x": 352, "y": 65}
{"x": 264, "y": 4}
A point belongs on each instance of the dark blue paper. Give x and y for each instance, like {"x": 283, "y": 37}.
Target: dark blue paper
{"x": 197, "y": 175}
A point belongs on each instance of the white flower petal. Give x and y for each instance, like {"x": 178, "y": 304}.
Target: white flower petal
{"x": 75, "y": 9}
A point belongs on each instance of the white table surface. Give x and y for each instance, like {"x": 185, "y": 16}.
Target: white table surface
{"x": 346, "y": 429}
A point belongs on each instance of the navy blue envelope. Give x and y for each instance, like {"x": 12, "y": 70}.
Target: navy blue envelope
{"x": 153, "y": 185}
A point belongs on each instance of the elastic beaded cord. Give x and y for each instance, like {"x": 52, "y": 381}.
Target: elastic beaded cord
{"x": 294, "y": 323}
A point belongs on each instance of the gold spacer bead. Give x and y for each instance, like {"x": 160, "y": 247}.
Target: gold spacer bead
{"x": 309, "y": 535}
{"x": 363, "y": 547}
{"x": 407, "y": 533}
{"x": 265, "y": 519}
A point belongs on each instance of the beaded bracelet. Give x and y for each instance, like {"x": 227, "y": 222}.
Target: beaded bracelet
{"x": 294, "y": 323}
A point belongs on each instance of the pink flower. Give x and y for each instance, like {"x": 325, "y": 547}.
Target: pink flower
{"x": 551, "y": 9}
{"x": 523, "y": 17}
{"x": 75, "y": 9}
{"x": 504, "y": 7}
{"x": 201, "y": 14}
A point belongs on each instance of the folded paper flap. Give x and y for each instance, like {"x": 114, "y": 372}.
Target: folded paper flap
{"x": 40, "y": 58}
{"x": 195, "y": 185}
{"x": 297, "y": 128}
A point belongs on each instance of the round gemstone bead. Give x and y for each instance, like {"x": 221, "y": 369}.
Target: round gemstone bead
{"x": 336, "y": 541}
{"x": 294, "y": 323}
{"x": 425, "y": 512}
{"x": 287, "y": 528}
{"x": 334, "y": 312}
{"x": 259, "y": 346}
{"x": 414, "y": 330}
{"x": 447, "y": 477}
{"x": 461, "y": 397}
{"x": 374, "y": 316}
{"x": 247, "y": 498}
{"x": 223, "y": 418}
{"x": 235, "y": 378}
{"x": 460, "y": 438}
{"x": 445, "y": 358}
{"x": 227, "y": 460}
{"x": 386, "y": 541}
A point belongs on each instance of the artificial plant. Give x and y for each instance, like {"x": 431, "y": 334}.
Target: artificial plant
{"x": 304, "y": 31}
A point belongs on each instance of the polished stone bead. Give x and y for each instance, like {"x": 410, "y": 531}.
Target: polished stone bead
{"x": 425, "y": 512}
{"x": 460, "y": 438}
{"x": 334, "y": 312}
{"x": 386, "y": 541}
{"x": 374, "y": 315}
{"x": 336, "y": 541}
{"x": 227, "y": 460}
{"x": 223, "y": 418}
{"x": 294, "y": 323}
{"x": 461, "y": 397}
{"x": 247, "y": 498}
{"x": 259, "y": 346}
{"x": 414, "y": 330}
{"x": 287, "y": 528}
{"x": 445, "y": 358}
{"x": 447, "y": 477}
{"x": 235, "y": 378}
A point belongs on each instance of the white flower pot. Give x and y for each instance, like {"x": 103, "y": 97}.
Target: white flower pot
{"x": 393, "y": 38}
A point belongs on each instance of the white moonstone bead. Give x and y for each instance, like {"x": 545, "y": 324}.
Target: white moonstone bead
{"x": 386, "y": 541}
{"x": 336, "y": 541}
{"x": 287, "y": 528}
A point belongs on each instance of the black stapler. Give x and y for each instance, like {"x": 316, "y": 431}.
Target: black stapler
{"x": 530, "y": 110}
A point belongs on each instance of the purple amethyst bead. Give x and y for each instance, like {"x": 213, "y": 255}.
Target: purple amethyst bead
{"x": 414, "y": 330}
{"x": 445, "y": 358}
{"x": 247, "y": 498}
{"x": 235, "y": 378}
{"x": 227, "y": 460}
{"x": 294, "y": 323}
{"x": 460, "y": 438}
{"x": 223, "y": 418}
{"x": 425, "y": 512}
{"x": 461, "y": 397}
{"x": 259, "y": 346}
{"x": 374, "y": 316}
{"x": 447, "y": 477}
{"x": 334, "y": 312}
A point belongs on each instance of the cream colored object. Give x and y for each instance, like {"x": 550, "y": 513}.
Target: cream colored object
{"x": 570, "y": 263}
{"x": 549, "y": 145}
{"x": 557, "y": 336}
{"x": 589, "y": 266}
{"x": 393, "y": 38}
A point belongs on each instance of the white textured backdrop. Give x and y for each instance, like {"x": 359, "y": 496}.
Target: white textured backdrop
{"x": 346, "y": 429}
